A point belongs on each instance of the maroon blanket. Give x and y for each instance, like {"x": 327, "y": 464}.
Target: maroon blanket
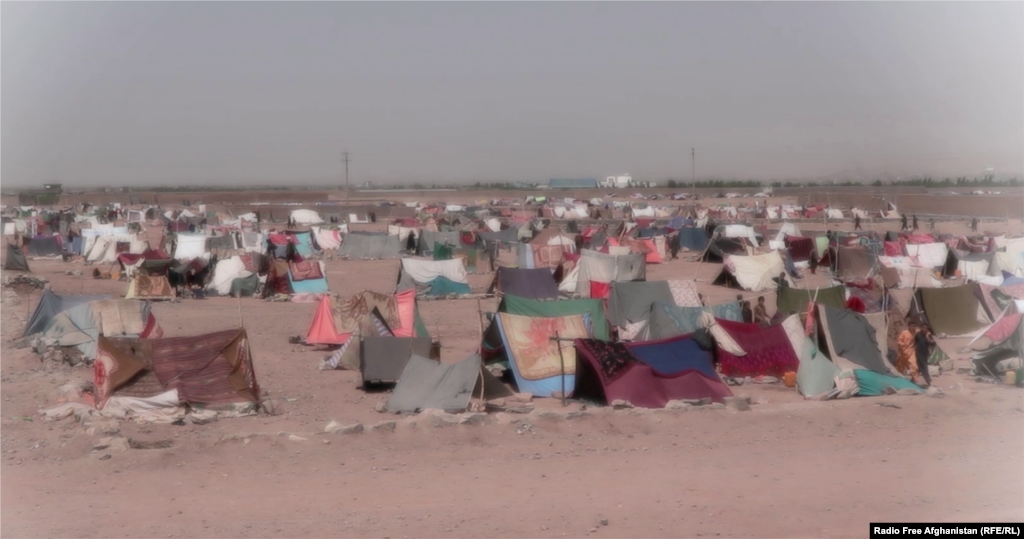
{"x": 769, "y": 351}
{"x": 207, "y": 369}
{"x": 308, "y": 269}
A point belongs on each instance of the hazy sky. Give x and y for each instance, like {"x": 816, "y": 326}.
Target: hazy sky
{"x": 147, "y": 93}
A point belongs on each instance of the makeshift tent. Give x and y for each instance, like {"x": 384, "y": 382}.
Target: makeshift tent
{"x": 800, "y": 249}
{"x": 150, "y": 287}
{"x": 306, "y": 217}
{"x": 850, "y": 264}
{"x": 754, "y": 273}
{"x": 853, "y": 342}
{"x": 382, "y": 359}
{"x": 421, "y": 274}
{"x": 527, "y": 283}
{"x": 600, "y": 267}
{"x": 303, "y": 243}
{"x": 225, "y": 272}
{"x": 592, "y": 308}
{"x": 899, "y": 272}
{"x": 535, "y": 359}
{"x": 50, "y": 305}
{"x": 788, "y": 229}
{"x": 649, "y": 374}
{"x": 692, "y": 239}
{"x": 794, "y": 300}
{"x": 443, "y": 286}
{"x": 429, "y": 384}
{"x": 669, "y": 320}
{"x": 15, "y": 260}
{"x": 370, "y": 246}
{"x": 1005, "y": 350}
{"x": 190, "y": 246}
{"x": 816, "y": 373}
{"x": 44, "y": 246}
{"x": 970, "y": 265}
{"x": 953, "y": 311}
{"x": 214, "y": 370}
{"x": 631, "y": 302}
{"x": 308, "y": 277}
{"x": 82, "y": 325}
{"x": 928, "y": 255}
{"x": 245, "y": 287}
{"x": 767, "y": 350}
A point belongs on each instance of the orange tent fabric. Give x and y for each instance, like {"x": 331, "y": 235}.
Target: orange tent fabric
{"x": 322, "y": 331}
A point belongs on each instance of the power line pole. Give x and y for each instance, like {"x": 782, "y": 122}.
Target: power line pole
{"x": 693, "y": 171}
{"x": 345, "y": 160}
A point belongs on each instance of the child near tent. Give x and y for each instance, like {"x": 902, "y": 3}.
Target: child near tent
{"x": 923, "y": 341}
{"x": 761, "y": 313}
{"x": 906, "y": 361}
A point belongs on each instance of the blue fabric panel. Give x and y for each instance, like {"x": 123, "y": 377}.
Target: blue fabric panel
{"x": 674, "y": 356}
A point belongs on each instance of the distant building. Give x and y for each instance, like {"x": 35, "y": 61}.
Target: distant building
{"x": 618, "y": 182}
{"x": 580, "y": 183}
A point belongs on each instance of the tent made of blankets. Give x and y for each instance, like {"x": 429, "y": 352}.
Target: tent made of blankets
{"x": 359, "y": 245}
{"x": 15, "y": 260}
{"x": 303, "y": 240}
{"x": 434, "y": 277}
{"x": 190, "y": 246}
{"x": 150, "y": 287}
{"x": 969, "y": 265}
{"x": 952, "y": 311}
{"x": 211, "y": 371}
{"x": 51, "y": 304}
{"x": 998, "y": 299}
{"x": 306, "y": 277}
{"x": 630, "y": 304}
{"x": 365, "y": 314}
{"x": 540, "y": 364}
{"x": 1001, "y": 348}
{"x": 648, "y": 374}
{"x": 429, "y": 384}
{"x": 755, "y": 273}
{"x": 767, "y": 350}
{"x": 900, "y": 272}
{"x": 151, "y": 262}
{"x": 81, "y": 326}
{"x": 527, "y": 283}
{"x": 604, "y": 268}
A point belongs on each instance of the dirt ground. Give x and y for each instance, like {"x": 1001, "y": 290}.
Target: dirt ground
{"x": 788, "y": 468}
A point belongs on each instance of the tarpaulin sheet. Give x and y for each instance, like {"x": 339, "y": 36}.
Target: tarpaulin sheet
{"x": 527, "y": 283}
{"x": 670, "y": 320}
{"x": 422, "y": 272}
{"x": 430, "y": 238}
{"x": 795, "y": 300}
{"x": 873, "y": 384}
{"x": 428, "y": 384}
{"x": 852, "y": 340}
{"x": 631, "y": 302}
{"x": 50, "y": 304}
{"x": 363, "y": 245}
{"x": 190, "y": 246}
{"x": 684, "y": 293}
{"x": 816, "y": 372}
{"x": 595, "y": 266}
{"x": 954, "y": 310}
{"x": 928, "y": 255}
{"x": 382, "y": 359}
{"x": 854, "y": 263}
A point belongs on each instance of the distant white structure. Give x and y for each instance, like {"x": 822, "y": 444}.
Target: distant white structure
{"x": 618, "y": 182}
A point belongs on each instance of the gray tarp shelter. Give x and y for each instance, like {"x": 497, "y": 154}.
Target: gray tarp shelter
{"x": 50, "y": 305}
{"x": 382, "y": 359}
{"x": 426, "y": 383}
{"x": 16, "y": 260}
{"x": 370, "y": 245}
{"x": 429, "y": 238}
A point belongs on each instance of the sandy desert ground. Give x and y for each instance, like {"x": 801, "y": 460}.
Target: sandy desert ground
{"x": 788, "y": 468}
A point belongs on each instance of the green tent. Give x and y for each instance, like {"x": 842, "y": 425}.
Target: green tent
{"x": 443, "y": 286}
{"x": 795, "y": 300}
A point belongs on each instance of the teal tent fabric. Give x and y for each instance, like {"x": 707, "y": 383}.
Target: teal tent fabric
{"x": 443, "y": 286}
{"x": 553, "y": 309}
{"x": 873, "y": 384}
{"x": 245, "y": 287}
{"x": 816, "y": 373}
{"x": 443, "y": 252}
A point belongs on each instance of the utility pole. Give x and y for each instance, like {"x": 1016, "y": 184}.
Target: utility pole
{"x": 345, "y": 160}
{"x": 693, "y": 171}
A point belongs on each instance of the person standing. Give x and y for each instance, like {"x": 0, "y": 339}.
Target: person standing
{"x": 748, "y": 313}
{"x": 974, "y": 225}
{"x": 906, "y": 361}
{"x": 923, "y": 342}
{"x": 761, "y": 313}
{"x": 856, "y": 222}
{"x": 903, "y": 222}
{"x": 915, "y": 221}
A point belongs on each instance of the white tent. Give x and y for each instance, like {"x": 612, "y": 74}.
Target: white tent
{"x": 755, "y": 273}
{"x": 190, "y": 246}
{"x": 306, "y": 217}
